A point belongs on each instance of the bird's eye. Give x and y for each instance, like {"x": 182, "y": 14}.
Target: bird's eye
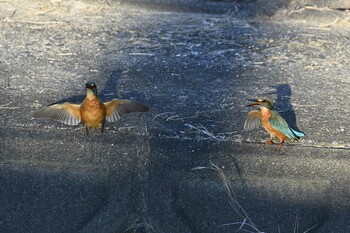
{"x": 264, "y": 101}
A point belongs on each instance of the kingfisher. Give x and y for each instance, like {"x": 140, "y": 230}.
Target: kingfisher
{"x": 92, "y": 112}
{"x": 272, "y": 121}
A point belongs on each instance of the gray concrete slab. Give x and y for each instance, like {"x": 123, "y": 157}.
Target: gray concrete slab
{"x": 154, "y": 172}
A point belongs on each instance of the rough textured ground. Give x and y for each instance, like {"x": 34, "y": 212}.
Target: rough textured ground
{"x": 187, "y": 165}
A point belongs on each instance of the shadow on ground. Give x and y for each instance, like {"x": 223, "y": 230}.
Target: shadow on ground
{"x": 283, "y": 104}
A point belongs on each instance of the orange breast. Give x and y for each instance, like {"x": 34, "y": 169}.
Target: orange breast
{"x": 267, "y": 126}
{"x": 92, "y": 112}
{"x": 265, "y": 116}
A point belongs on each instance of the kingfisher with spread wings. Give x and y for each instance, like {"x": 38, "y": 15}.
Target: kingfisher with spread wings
{"x": 272, "y": 122}
{"x": 92, "y": 112}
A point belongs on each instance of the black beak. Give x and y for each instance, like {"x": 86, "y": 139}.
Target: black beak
{"x": 256, "y": 102}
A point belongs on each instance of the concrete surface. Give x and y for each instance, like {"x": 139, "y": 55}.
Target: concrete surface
{"x": 187, "y": 165}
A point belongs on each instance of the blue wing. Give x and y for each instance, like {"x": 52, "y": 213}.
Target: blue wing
{"x": 280, "y": 124}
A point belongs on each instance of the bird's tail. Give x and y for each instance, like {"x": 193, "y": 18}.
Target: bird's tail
{"x": 297, "y": 133}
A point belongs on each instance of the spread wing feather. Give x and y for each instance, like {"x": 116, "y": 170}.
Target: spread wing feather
{"x": 118, "y": 108}
{"x": 253, "y": 120}
{"x": 66, "y": 113}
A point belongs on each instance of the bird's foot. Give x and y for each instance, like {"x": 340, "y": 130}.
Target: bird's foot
{"x": 279, "y": 147}
{"x": 269, "y": 142}
{"x": 87, "y": 131}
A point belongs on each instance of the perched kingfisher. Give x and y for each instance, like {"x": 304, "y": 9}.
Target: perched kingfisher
{"x": 271, "y": 120}
{"x": 92, "y": 112}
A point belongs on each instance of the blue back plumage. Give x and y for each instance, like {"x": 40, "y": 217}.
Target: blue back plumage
{"x": 280, "y": 124}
